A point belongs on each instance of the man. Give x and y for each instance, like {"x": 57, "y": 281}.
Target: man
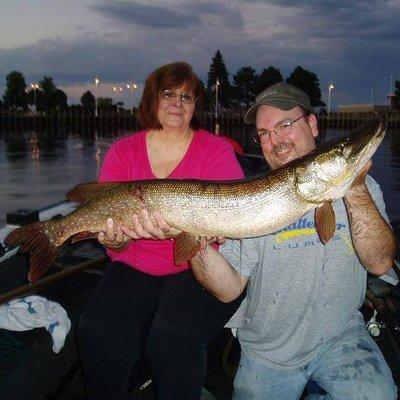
{"x": 302, "y": 321}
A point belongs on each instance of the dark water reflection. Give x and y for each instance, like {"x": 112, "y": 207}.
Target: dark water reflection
{"x": 37, "y": 170}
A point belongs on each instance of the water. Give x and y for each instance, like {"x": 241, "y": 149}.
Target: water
{"x": 385, "y": 169}
{"x": 36, "y": 170}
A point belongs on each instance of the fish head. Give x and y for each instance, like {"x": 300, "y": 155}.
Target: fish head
{"x": 327, "y": 174}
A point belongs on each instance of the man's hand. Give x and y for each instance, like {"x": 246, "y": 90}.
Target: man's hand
{"x": 358, "y": 186}
{"x": 360, "y": 178}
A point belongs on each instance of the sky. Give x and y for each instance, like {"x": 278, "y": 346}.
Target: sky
{"x": 355, "y": 44}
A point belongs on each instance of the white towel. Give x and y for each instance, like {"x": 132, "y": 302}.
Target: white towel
{"x": 36, "y": 312}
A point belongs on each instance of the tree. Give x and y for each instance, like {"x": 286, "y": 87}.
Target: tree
{"x": 105, "y": 103}
{"x": 45, "y": 96}
{"x": 88, "y": 101}
{"x": 309, "y": 83}
{"x": 397, "y": 88}
{"x": 49, "y": 97}
{"x": 268, "y": 77}
{"x": 60, "y": 99}
{"x": 208, "y": 98}
{"x": 74, "y": 107}
{"x": 31, "y": 97}
{"x": 218, "y": 71}
{"x": 15, "y": 96}
{"x": 396, "y": 100}
{"x": 245, "y": 86}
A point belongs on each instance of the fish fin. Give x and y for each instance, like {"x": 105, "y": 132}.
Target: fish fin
{"x": 185, "y": 247}
{"x": 84, "y": 236}
{"x": 325, "y": 222}
{"x": 33, "y": 239}
{"x": 86, "y": 191}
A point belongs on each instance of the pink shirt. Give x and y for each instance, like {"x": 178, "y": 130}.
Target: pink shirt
{"x": 208, "y": 157}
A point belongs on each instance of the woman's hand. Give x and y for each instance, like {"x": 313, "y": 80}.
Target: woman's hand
{"x": 113, "y": 238}
{"x": 147, "y": 226}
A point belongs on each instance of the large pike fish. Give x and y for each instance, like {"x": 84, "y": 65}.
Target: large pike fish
{"x": 196, "y": 208}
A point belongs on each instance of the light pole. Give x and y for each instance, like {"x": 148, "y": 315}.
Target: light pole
{"x": 96, "y": 83}
{"x": 330, "y": 88}
{"x": 132, "y": 87}
{"x": 117, "y": 89}
{"x": 391, "y": 95}
{"x": 34, "y": 87}
{"x": 391, "y": 85}
{"x": 216, "y": 106}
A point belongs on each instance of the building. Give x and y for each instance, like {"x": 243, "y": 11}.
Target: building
{"x": 364, "y": 108}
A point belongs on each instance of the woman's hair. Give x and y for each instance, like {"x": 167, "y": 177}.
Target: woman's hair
{"x": 169, "y": 77}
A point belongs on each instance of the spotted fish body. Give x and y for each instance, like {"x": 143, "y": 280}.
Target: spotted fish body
{"x": 235, "y": 209}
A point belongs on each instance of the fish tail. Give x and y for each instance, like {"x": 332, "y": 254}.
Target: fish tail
{"x": 34, "y": 240}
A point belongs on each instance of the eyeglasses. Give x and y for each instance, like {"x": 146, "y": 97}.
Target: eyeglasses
{"x": 281, "y": 129}
{"x": 170, "y": 95}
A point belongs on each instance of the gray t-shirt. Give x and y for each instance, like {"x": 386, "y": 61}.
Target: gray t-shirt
{"x": 301, "y": 293}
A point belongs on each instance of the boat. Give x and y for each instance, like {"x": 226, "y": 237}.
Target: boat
{"x": 30, "y": 370}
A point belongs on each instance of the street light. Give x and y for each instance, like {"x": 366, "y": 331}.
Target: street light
{"x": 96, "y": 82}
{"x": 117, "y": 89}
{"x": 34, "y": 87}
{"x": 330, "y": 88}
{"x": 132, "y": 87}
{"x": 216, "y": 106}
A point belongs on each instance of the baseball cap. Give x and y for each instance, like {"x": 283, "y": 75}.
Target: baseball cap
{"x": 281, "y": 95}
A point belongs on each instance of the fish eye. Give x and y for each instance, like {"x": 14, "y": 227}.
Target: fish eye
{"x": 347, "y": 151}
{"x": 339, "y": 150}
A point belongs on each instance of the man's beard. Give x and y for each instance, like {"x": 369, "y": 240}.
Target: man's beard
{"x": 278, "y": 148}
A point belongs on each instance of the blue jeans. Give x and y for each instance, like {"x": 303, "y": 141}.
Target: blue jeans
{"x": 349, "y": 367}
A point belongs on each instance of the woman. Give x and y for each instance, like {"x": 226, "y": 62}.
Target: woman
{"x": 145, "y": 303}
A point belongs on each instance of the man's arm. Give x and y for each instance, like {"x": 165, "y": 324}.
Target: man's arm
{"x": 216, "y": 275}
{"x": 373, "y": 238}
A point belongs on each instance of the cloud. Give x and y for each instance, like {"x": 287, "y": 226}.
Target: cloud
{"x": 180, "y": 16}
{"x": 117, "y": 60}
{"x": 146, "y": 15}
{"x": 351, "y": 44}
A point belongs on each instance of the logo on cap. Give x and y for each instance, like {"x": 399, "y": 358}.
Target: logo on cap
{"x": 270, "y": 92}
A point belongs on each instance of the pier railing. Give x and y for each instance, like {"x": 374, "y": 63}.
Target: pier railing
{"x": 230, "y": 122}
